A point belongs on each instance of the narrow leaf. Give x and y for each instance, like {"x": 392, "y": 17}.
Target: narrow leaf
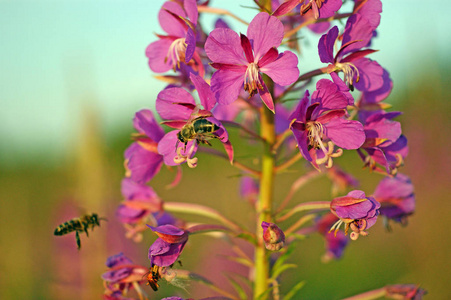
{"x": 294, "y": 290}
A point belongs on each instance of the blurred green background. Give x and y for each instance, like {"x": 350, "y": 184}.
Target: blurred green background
{"x": 73, "y": 73}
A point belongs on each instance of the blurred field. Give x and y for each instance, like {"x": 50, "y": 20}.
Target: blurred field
{"x": 38, "y": 196}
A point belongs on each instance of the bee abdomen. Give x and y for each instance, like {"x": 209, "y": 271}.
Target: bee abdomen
{"x": 204, "y": 126}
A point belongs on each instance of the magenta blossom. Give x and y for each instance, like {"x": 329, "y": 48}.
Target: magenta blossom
{"x": 142, "y": 160}
{"x": 320, "y": 8}
{"x": 168, "y": 246}
{"x": 319, "y": 119}
{"x": 396, "y": 197}
{"x": 240, "y": 60}
{"x": 359, "y": 71}
{"x": 180, "y": 109}
{"x": 356, "y": 211}
{"x": 122, "y": 276}
{"x": 384, "y": 144}
{"x": 179, "y": 45}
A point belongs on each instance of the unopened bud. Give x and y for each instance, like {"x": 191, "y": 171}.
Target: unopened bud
{"x": 273, "y": 236}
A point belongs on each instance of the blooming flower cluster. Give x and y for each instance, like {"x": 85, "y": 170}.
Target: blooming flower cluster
{"x": 244, "y": 84}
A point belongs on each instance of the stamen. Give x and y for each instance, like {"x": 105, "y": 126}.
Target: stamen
{"x": 349, "y": 71}
{"x": 176, "y": 52}
{"x": 251, "y": 80}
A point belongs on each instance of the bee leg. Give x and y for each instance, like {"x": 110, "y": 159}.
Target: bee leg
{"x": 77, "y": 238}
{"x": 86, "y": 230}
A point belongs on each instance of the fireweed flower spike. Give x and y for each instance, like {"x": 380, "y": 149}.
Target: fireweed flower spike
{"x": 359, "y": 71}
{"x": 273, "y": 236}
{"x": 321, "y": 117}
{"x": 178, "y": 107}
{"x": 142, "y": 160}
{"x": 356, "y": 211}
{"x": 396, "y": 197}
{"x": 240, "y": 60}
{"x": 179, "y": 46}
{"x": 168, "y": 246}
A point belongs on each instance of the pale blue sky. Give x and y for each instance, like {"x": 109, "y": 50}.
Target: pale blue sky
{"x": 56, "y": 55}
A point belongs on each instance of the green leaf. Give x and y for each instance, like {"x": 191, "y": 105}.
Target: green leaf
{"x": 264, "y": 294}
{"x": 294, "y": 290}
{"x": 241, "y": 260}
{"x": 238, "y": 288}
{"x": 248, "y": 237}
{"x": 282, "y": 268}
{"x": 282, "y": 258}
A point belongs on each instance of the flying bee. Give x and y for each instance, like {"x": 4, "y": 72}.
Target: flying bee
{"x": 153, "y": 276}
{"x": 199, "y": 129}
{"x": 78, "y": 225}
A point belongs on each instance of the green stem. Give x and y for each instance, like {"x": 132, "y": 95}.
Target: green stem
{"x": 319, "y": 205}
{"x": 264, "y": 206}
{"x": 371, "y": 295}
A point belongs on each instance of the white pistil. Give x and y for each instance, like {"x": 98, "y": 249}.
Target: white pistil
{"x": 251, "y": 79}
{"x": 176, "y": 52}
{"x": 180, "y": 157}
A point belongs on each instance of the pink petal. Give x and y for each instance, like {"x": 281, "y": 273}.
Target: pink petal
{"x": 191, "y": 10}
{"x": 168, "y": 22}
{"x": 371, "y": 75}
{"x": 227, "y": 85}
{"x": 223, "y": 45}
{"x": 206, "y": 96}
{"x": 145, "y": 120}
{"x": 265, "y": 32}
{"x": 284, "y": 70}
{"x": 346, "y": 134}
{"x": 266, "y": 97}
{"x": 157, "y": 52}
{"x": 166, "y": 107}
{"x": 326, "y": 45}
{"x": 285, "y": 8}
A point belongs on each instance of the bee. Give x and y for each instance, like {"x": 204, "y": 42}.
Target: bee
{"x": 78, "y": 225}
{"x": 153, "y": 276}
{"x": 199, "y": 129}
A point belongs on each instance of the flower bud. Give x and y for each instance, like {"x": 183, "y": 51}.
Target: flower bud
{"x": 273, "y": 236}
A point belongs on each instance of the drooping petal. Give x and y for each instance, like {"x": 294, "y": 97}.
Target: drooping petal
{"x": 227, "y": 85}
{"x": 166, "y": 104}
{"x": 264, "y": 32}
{"x": 300, "y": 111}
{"x": 206, "y": 96}
{"x": 377, "y": 95}
{"x": 265, "y": 95}
{"x": 330, "y": 97}
{"x": 342, "y": 87}
{"x": 329, "y": 7}
{"x": 170, "y": 256}
{"x": 168, "y": 21}
{"x": 284, "y": 70}
{"x": 157, "y": 53}
{"x": 346, "y": 134}
{"x": 394, "y": 187}
{"x": 223, "y": 45}
{"x": 326, "y": 45}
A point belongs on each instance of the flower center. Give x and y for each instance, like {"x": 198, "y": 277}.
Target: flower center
{"x": 315, "y": 135}
{"x": 186, "y": 156}
{"x": 176, "y": 52}
{"x": 350, "y": 71}
{"x": 252, "y": 80}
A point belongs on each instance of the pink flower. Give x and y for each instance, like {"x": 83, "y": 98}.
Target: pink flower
{"x": 240, "y": 60}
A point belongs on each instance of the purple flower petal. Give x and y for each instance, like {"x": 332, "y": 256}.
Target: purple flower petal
{"x": 223, "y": 45}
{"x": 329, "y": 7}
{"x": 357, "y": 29}
{"x": 370, "y": 10}
{"x": 170, "y": 255}
{"x": 167, "y": 148}
{"x": 329, "y": 96}
{"x": 227, "y": 85}
{"x": 302, "y": 139}
{"x": 326, "y": 45}
{"x": 377, "y": 95}
{"x": 265, "y": 32}
{"x": 206, "y": 96}
{"x": 167, "y": 108}
{"x": 144, "y": 121}
{"x": 143, "y": 164}
{"x": 190, "y": 40}
{"x": 265, "y": 95}
{"x": 394, "y": 187}
{"x": 345, "y": 134}
{"x": 131, "y": 190}
{"x": 284, "y": 70}
{"x": 370, "y": 75}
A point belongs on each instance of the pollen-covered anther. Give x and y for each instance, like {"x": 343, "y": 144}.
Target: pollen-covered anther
{"x": 176, "y": 52}
{"x": 327, "y": 159}
{"x": 252, "y": 80}
{"x": 181, "y": 157}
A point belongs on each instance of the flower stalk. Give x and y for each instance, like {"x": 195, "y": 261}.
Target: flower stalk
{"x": 265, "y": 201}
